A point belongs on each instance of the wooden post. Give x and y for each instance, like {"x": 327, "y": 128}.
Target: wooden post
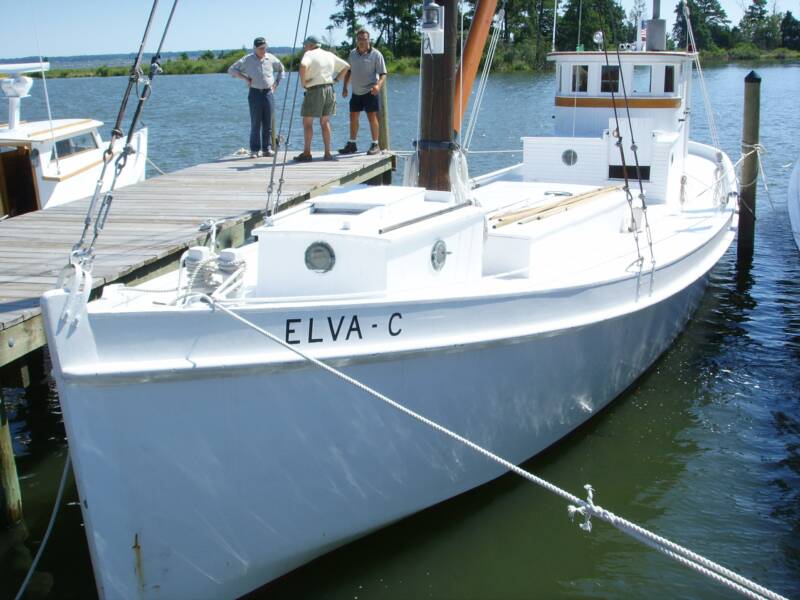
{"x": 747, "y": 192}
{"x": 10, "y": 497}
{"x": 436, "y": 112}
{"x": 383, "y": 116}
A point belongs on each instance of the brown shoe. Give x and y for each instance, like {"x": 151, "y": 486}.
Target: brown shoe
{"x": 328, "y": 156}
{"x": 303, "y": 157}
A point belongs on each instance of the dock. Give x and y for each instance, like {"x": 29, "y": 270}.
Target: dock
{"x": 149, "y": 227}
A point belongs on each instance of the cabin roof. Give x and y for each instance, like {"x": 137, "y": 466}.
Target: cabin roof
{"x": 36, "y": 132}
{"x": 625, "y": 55}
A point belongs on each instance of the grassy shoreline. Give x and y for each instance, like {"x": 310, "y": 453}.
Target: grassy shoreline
{"x": 209, "y": 64}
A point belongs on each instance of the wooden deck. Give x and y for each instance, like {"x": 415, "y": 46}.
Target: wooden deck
{"x": 149, "y": 227}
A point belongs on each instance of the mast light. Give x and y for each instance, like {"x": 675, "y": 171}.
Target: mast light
{"x": 432, "y": 28}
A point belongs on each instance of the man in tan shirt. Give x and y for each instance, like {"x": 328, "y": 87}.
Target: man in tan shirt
{"x": 319, "y": 70}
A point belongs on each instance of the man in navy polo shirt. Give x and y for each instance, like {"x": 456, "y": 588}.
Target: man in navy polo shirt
{"x": 367, "y": 74}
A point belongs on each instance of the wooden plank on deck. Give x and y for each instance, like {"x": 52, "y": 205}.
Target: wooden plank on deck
{"x": 150, "y": 225}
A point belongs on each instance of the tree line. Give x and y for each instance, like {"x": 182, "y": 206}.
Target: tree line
{"x": 527, "y": 27}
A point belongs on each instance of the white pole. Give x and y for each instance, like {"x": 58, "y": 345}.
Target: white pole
{"x": 555, "y": 14}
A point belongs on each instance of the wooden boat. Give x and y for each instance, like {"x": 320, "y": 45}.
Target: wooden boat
{"x": 210, "y": 460}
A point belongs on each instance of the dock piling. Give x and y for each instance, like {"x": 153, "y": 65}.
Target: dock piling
{"x": 10, "y": 496}
{"x": 749, "y": 177}
{"x": 383, "y": 117}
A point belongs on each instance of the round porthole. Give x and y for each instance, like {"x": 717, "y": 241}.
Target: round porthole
{"x": 438, "y": 255}
{"x": 320, "y": 257}
{"x": 569, "y": 157}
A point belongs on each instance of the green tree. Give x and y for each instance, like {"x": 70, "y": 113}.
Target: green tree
{"x": 759, "y": 27}
{"x": 396, "y": 23}
{"x": 709, "y": 24}
{"x": 348, "y": 16}
{"x": 582, "y": 19}
{"x": 790, "y": 32}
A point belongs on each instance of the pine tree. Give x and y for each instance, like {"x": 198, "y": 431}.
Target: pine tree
{"x": 759, "y": 27}
{"x": 790, "y": 32}
{"x": 348, "y": 17}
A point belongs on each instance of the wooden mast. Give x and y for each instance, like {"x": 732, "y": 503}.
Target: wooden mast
{"x": 473, "y": 50}
{"x": 436, "y": 112}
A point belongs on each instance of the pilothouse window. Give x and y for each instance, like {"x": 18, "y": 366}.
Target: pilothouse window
{"x": 609, "y": 79}
{"x": 73, "y": 145}
{"x": 641, "y": 79}
{"x": 669, "y": 79}
{"x": 580, "y": 78}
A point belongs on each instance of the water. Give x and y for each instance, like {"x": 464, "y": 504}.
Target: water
{"x": 704, "y": 449}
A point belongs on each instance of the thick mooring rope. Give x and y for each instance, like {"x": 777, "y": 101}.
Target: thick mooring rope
{"x": 587, "y": 508}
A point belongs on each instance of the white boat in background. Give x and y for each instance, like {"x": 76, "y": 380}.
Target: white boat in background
{"x": 210, "y": 460}
{"x": 49, "y": 163}
{"x": 793, "y": 203}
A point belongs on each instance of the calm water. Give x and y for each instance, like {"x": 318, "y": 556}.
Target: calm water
{"x": 705, "y": 449}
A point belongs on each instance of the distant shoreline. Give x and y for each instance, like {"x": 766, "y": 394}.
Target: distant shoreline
{"x": 211, "y": 62}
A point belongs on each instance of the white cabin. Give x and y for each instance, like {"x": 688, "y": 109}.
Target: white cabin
{"x": 650, "y": 91}
{"x": 48, "y": 163}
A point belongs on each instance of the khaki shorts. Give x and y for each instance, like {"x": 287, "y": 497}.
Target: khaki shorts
{"x": 319, "y": 101}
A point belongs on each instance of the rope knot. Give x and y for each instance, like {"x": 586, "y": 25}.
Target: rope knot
{"x": 586, "y": 511}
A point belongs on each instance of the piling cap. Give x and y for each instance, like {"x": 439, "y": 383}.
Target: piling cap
{"x": 753, "y": 77}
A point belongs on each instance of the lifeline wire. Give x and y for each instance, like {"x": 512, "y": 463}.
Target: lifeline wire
{"x": 586, "y": 508}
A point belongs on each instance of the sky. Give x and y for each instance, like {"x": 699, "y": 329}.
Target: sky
{"x": 67, "y": 28}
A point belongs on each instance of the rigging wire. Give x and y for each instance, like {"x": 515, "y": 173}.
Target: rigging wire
{"x": 635, "y": 150}
{"x": 80, "y": 252}
{"x": 618, "y": 135}
{"x": 269, "y": 211}
{"x": 46, "y": 95}
{"x": 483, "y": 82}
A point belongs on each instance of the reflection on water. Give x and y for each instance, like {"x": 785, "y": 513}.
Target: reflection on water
{"x": 704, "y": 449}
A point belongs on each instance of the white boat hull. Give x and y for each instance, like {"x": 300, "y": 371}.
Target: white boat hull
{"x": 249, "y": 462}
{"x": 793, "y": 203}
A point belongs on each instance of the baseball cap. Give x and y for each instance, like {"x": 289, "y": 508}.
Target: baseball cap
{"x": 259, "y": 41}
{"x": 311, "y": 40}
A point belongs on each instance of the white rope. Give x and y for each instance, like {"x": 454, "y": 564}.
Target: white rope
{"x": 155, "y": 166}
{"x": 61, "y": 486}
{"x": 587, "y": 508}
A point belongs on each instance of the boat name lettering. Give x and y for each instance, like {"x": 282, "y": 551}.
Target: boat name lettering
{"x": 316, "y": 330}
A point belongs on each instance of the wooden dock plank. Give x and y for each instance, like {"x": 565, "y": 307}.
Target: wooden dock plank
{"x": 150, "y": 224}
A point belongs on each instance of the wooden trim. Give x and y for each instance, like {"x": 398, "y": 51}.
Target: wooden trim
{"x": 76, "y": 172}
{"x": 603, "y": 102}
{"x": 539, "y": 211}
{"x": 47, "y": 131}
